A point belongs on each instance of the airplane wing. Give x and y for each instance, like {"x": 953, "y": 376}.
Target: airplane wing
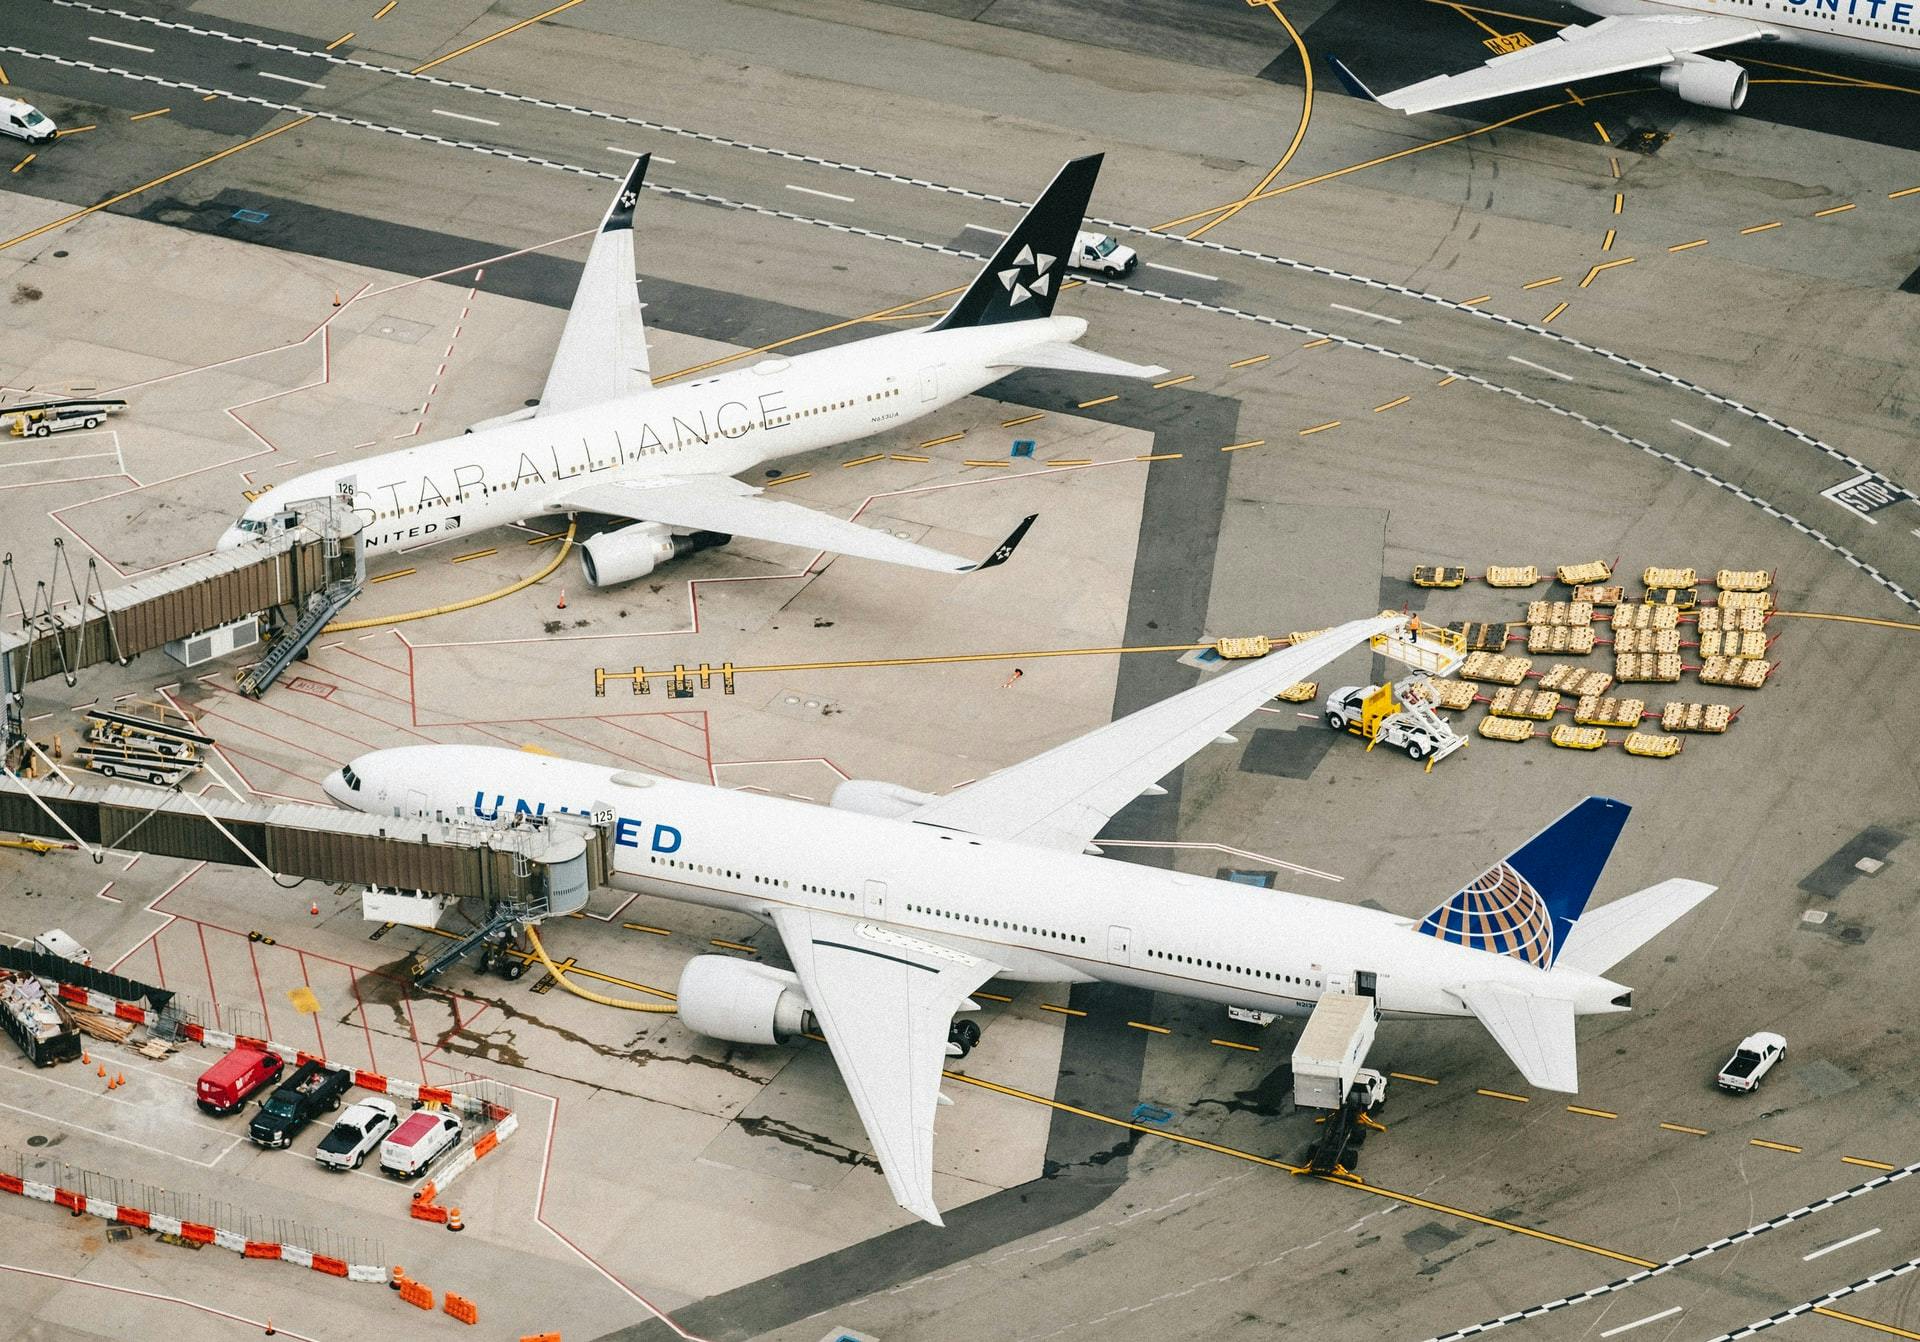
{"x": 885, "y": 1002}
{"x": 724, "y": 504}
{"x": 1062, "y": 798}
{"x": 603, "y": 350}
{"x": 1624, "y": 42}
{"x": 1535, "y": 1032}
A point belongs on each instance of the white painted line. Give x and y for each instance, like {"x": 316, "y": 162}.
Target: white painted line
{"x": 1538, "y": 367}
{"x": 1637, "y": 1323}
{"x": 981, "y": 228}
{"x": 1362, "y": 312}
{"x": 1190, "y": 274}
{"x": 1855, "y": 1239}
{"x": 124, "y": 46}
{"x": 462, "y": 116}
{"x": 635, "y": 153}
{"x": 1682, "y": 424}
{"x": 825, "y": 195}
{"x": 289, "y": 79}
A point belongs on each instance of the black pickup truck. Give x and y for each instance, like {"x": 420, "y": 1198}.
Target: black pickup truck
{"x": 312, "y": 1088}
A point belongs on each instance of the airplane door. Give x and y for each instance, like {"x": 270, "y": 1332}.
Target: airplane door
{"x": 929, "y": 384}
{"x": 416, "y": 802}
{"x": 875, "y": 905}
{"x": 1120, "y": 945}
{"x": 1339, "y": 981}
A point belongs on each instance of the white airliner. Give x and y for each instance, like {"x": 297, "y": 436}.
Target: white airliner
{"x": 894, "y": 906}
{"x": 1668, "y": 38}
{"x": 603, "y": 440}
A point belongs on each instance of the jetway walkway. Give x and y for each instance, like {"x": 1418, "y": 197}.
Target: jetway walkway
{"x": 311, "y": 548}
{"x": 526, "y": 870}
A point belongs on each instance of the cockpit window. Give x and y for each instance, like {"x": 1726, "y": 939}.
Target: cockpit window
{"x": 252, "y": 526}
{"x": 349, "y": 777}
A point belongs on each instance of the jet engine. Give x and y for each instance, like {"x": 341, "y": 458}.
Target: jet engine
{"x": 889, "y": 801}
{"x": 1706, "y": 83}
{"x": 614, "y": 557}
{"x": 741, "y": 1002}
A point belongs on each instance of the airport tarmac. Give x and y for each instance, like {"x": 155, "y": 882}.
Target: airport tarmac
{"x": 1389, "y": 361}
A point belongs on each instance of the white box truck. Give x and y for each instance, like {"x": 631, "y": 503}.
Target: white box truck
{"x": 1328, "y": 1058}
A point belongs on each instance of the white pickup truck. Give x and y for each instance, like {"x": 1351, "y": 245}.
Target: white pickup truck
{"x": 1754, "y": 1058}
{"x": 1102, "y": 255}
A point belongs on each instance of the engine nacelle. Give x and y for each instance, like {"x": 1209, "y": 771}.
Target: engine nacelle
{"x": 614, "y": 557}
{"x": 742, "y": 1002}
{"x": 1706, "y": 83}
{"x": 889, "y": 801}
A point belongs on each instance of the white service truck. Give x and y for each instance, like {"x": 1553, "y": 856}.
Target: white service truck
{"x": 1329, "y": 1058}
{"x": 1754, "y": 1058}
{"x": 1102, "y": 255}
{"x": 1400, "y": 715}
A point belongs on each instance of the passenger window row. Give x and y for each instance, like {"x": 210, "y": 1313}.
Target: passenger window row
{"x": 997, "y": 923}
{"x": 1199, "y": 962}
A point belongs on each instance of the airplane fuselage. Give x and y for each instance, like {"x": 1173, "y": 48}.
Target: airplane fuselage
{"x": 1046, "y": 916}
{"x": 1879, "y": 30}
{"x": 723, "y": 424}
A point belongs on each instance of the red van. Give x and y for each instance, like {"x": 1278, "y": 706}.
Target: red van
{"x": 225, "y": 1086}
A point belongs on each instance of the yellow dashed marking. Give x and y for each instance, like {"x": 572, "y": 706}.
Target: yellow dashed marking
{"x": 1605, "y": 265}
{"x": 1173, "y": 381}
{"x": 1615, "y": 161}
{"x": 941, "y": 442}
{"x": 1023, "y": 419}
{"x": 1864, "y": 1163}
{"x": 1064, "y": 1011}
{"x": 789, "y": 479}
{"x": 75, "y": 130}
{"x": 906, "y": 456}
{"x": 731, "y": 946}
{"x": 1773, "y": 1146}
{"x": 1619, "y": 202}
{"x": 389, "y": 577}
{"x": 1891, "y": 195}
{"x": 997, "y": 465}
{"x": 475, "y": 554}
{"x": 385, "y": 8}
{"x": 1161, "y": 1029}
{"x": 1760, "y": 228}
{"x": 1244, "y": 1048}
{"x": 1160, "y": 456}
{"x": 23, "y": 162}
{"x": 1503, "y": 1095}
{"x": 1541, "y": 284}
{"x": 1320, "y": 428}
{"x": 1098, "y": 400}
{"x": 1391, "y": 404}
{"x": 1604, "y": 137}
{"x": 1449, "y": 378}
{"x": 1558, "y": 309}
{"x": 1476, "y": 302}
{"x": 861, "y": 461}
{"x": 1591, "y": 1113}
{"x": 1889, "y": 1329}
{"x": 1316, "y": 344}
{"x": 1833, "y": 209}
{"x": 1071, "y": 461}
{"x": 1681, "y": 1127}
{"x": 1248, "y": 363}
{"x": 642, "y": 927}
{"x": 1687, "y": 246}
{"x": 992, "y": 997}
{"x": 142, "y": 116}
{"x": 339, "y": 41}
{"x": 1409, "y": 1076}
{"x": 1606, "y": 244}
{"x": 547, "y": 539}
{"x": 1241, "y": 447}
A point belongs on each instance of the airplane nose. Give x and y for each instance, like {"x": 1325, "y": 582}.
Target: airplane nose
{"x": 335, "y": 786}
{"x": 230, "y": 538}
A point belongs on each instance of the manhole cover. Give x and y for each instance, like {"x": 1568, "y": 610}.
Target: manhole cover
{"x": 36, "y": 1140}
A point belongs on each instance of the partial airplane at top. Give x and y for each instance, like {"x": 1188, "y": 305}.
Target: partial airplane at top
{"x": 604, "y": 440}
{"x": 895, "y": 906}
{"x": 1669, "y": 38}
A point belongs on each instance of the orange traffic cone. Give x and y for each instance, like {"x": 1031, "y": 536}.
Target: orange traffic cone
{"x": 563, "y": 600}
{"x": 314, "y": 908}
{"x": 336, "y": 303}
{"x": 119, "y": 1079}
{"x": 270, "y": 1321}
{"x": 453, "y": 1219}
{"x": 85, "y": 1060}
{"x": 103, "y": 1069}
{"x": 397, "y": 1279}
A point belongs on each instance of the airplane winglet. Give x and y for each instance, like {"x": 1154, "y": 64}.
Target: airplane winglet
{"x": 1006, "y": 548}
{"x": 1351, "y": 80}
{"x": 620, "y": 213}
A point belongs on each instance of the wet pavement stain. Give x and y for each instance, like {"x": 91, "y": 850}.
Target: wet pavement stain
{"x": 763, "y": 1126}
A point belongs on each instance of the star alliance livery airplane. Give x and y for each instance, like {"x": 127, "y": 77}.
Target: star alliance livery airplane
{"x": 604, "y": 440}
{"x": 1669, "y": 38}
{"x": 894, "y": 906}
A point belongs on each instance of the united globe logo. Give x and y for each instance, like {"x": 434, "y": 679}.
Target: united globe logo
{"x": 1499, "y": 912}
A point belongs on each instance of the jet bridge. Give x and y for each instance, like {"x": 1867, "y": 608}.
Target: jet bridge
{"x": 525, "y": 870}
{"x": 309, "y": 555}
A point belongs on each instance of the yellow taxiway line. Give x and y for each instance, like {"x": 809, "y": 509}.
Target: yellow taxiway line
{"x": 492, "y": 37}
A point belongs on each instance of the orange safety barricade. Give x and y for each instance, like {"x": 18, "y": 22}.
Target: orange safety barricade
{"x": 435, "y": 1095}
{"x": 302, "y": 1058}
{"x": 66, "y": 992}
{"x": 421, "y": 1297}
{"x": 541, "y": 1337}
{"x": 333, "y": 1267}
{"x": 195, "y": 1233}
{"x": 488, "y": 1140}
{"x": 66, "y": 1197}
{"x": 372, "y": 1081}
{"x": 128, "y": 1011}
{"x": 197, "y": 1033}
{"x": 12, "y": 1183}
{"x": 426, "y": 1211}
{"x": 462, "y": 1308}
{"x": 259, "y": 1249}
{"x": 134, "y": 1216}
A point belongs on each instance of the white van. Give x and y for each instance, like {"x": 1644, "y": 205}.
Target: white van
{"x": 418, "y": 1142}
{"x": 1100, "y": 254}
{"x": 25, "y": 122}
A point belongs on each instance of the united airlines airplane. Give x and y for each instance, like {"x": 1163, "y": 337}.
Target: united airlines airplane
{"x": 894, "y": 905}
{"x": 1669, "y": 38}
{"x": 604, "y": 440}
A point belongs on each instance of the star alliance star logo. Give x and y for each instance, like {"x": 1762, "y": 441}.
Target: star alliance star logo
{"x": 1041, "y": 283}
{"x": 628, "y": 198}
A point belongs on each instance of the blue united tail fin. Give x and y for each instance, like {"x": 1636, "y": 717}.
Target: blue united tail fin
{"x": 1526, "y": 905}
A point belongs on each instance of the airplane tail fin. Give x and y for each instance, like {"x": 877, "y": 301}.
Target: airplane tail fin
{"x": 1526, "y": 905}
{"x": 1608, "y": 935}
{"x": 1022, "y": 279}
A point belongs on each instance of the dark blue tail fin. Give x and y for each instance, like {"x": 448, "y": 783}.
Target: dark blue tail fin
{"x": 1021, "y": 280}
{"x": 1526, "y": 905}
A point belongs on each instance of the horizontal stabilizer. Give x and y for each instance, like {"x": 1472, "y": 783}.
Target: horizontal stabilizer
{"x": 1535, "y": 1032}
{"x": 1605, "y": 936}
{"x": 1072, "y": 359}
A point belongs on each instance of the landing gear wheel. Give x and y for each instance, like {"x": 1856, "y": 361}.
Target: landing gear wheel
{"x": 964, "y": 1035}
